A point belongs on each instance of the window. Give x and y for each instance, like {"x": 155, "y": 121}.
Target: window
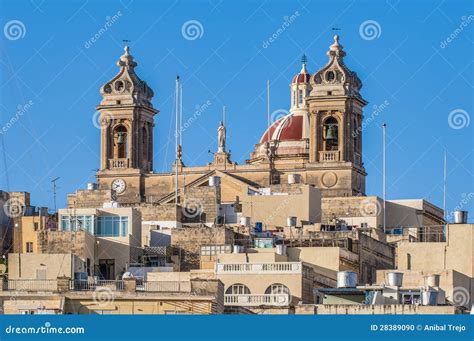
{"x": 211, "y": 250}
{"x": 277, "y": 288}
{"x": 112, "y": 226}
{"x": 300, "y": 94}
{"x": 35, "y": 226}
{"x": 29, "y": 247}
{"x": 238, "y": 289}
{"x": 77, "y": 223}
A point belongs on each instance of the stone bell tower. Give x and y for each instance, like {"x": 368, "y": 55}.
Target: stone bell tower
{"x": 127, "y": 121}
{"x": 335, "y": 106}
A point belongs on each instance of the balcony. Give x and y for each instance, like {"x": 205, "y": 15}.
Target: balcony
{"x": 250, "y": 300}
{"x": 329, "y": 156}
{"x": 30, "y": 285}
{"x": 118, "y": 163}
{"x": 259, "y": 268}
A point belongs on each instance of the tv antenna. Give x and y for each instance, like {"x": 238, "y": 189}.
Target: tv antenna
{"x": 54, "y": 191}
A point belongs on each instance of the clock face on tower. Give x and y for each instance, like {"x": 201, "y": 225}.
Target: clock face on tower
{"x": 118, "y": 185}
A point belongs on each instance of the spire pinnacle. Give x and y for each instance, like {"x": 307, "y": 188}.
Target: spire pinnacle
{"x": 336, "y": 49}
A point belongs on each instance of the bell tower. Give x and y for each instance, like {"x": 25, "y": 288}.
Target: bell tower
{"x": 335, "y": 106}
{"x": 127, "y": 121}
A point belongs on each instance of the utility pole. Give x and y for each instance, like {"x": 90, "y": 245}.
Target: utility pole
{"x": 384, "y": 128}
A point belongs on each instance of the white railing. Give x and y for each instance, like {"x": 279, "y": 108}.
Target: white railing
{"x": 259, "y": 268}
{"x": 94, "y": 285}
{"x": 165, "y": 286}
{"x": 331, "y": 156}
{"x": 31, "y": 285}
{"x": 256, "y": 300}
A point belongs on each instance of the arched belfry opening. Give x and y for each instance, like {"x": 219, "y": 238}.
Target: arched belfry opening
{"x": 331, "y": 134}
{"x": 120, "y": 142}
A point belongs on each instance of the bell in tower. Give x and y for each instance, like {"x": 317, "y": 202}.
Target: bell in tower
{"x": 335, "y": 110}
{"x": 127, "y": 120}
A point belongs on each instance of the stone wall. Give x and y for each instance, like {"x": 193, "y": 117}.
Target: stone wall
{"x": 187, "y": 243}
{"x": 89, "y": 198}
{"x": 201, "y": 204}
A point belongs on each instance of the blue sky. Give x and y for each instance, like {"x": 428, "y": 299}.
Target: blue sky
{"x": 417, "y": 63}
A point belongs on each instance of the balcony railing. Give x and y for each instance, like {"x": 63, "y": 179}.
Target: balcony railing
{"x": 164, "y": 286}
{"x": 259, "y": 268}
{"x": 329, "y": 156}
{"x": 256, "y": 300}
{"x": 31, "y": 285}
{"x": 92, "y": 286}
{"x": 118, "y": 163}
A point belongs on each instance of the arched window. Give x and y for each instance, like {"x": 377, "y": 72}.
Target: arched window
{"x": 238, "y": 289}
{"x": 121, "y": 142}
{"x": 331, "y": 134}
{"x": 145, "y": 144}
{"x": 277, "y": 288}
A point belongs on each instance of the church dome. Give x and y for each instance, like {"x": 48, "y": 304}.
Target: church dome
{"x": 289, "y": 127}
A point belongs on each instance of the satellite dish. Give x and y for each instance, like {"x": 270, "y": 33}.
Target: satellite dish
{"x": 3, "y": 268}
{"x": 127, "y": 275}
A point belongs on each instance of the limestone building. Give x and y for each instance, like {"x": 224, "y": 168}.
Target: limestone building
{"x": 319, "y": 140}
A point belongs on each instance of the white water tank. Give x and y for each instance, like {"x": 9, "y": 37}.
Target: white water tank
{"x": 91, "y": 186}
{"x": 395, "y": 279}
{"x": 291, "y": 221}
{"x": 460, "y": 217}
{"x": 214, "y": 181}
{"x": 238, "y": 249}
{"x": 346, "y": 279}
{"x": 245, "y": 221}
{"x": 429, "y": 297}
{"x": 281, "y": 249}
{"x": 432, "y": 280}
{"x": 294, "y": 179}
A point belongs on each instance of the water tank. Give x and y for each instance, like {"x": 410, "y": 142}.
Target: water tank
{"x": 91, "y": 186}
{"x": 294, "y": 179}
{"x": 460, "y": 217}
{"x": 281, "y": 249}
{"x": 291, "y": 221}
{"x": 258, "y": 226}
{"x": 238, "y": 249}
{"x": 429, "y": 297}
{"x": 214, "y": 181}
{"x": 395, "y": 279}
{"x": 432, "y": 280}
{"x": 245, "y": 221}
{"x": 346, "y": 279}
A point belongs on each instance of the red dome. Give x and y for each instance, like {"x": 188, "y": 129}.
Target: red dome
{"x": 301, "y": 78}
{"x": 289, "y": 127}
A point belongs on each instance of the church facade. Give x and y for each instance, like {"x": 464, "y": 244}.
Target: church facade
{"x": 319, "y": 141}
